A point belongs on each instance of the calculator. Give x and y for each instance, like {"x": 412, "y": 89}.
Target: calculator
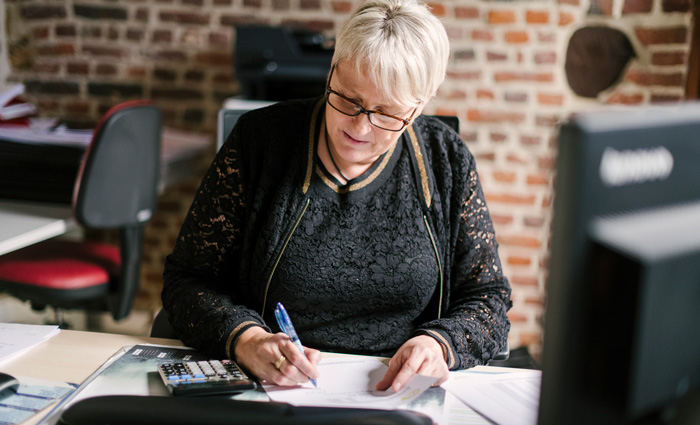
{"x": 204, "y": 377}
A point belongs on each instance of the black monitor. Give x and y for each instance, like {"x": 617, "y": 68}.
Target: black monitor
{"x": 622, "y": 319}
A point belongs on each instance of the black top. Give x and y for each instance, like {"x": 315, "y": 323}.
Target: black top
{"x": 407, "y": 248}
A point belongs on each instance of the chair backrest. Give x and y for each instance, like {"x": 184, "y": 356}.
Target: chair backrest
{"x": 117, "y": 184}
{"x": 226, "y": 121}
{"x": 117, "y": 187}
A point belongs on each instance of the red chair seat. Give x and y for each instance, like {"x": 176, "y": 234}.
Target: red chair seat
{"x": 62, "y": 264}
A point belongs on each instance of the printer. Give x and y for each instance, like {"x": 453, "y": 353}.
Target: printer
{"x": 278, "y": 63}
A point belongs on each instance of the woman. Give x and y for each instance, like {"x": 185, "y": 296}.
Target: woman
{"x": 364, "y": 218}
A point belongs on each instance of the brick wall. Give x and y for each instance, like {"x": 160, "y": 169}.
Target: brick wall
{"x": 506, "y": 83}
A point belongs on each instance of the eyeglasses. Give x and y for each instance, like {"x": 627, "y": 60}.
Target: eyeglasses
{"x": 351, "y": 108}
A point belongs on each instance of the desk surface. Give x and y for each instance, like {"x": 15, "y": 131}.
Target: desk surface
{"x": 25, "y": 223}
{"x": 72, "y": 356}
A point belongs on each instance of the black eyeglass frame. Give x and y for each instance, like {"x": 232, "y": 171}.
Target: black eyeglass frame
{"x": 362, "y": 110}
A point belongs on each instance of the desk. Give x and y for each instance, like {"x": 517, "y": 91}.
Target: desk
{"x": 72, "y": 356}
{"x": 23, "y": 223}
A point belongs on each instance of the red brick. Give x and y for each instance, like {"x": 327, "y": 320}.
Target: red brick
{"x": 105, "y": 69}
{"x": 515, "y": 97}
{"x": 516, "y": 317}
{"x": 531, "y": 281}
{"x": 496, "y": 56}
{"x": 482, "y": 35}
{"x": 665, "y": 98}
{"x": 516, "y": 37}
{"x": 485, "y": 94}
{"x": 526, "y": 140}
{"x": 281, "y": 4}
{"x": 506, "y": 76}
{"x": 190, "y": 18}
{"x": 456, "y": 95}
{"x": 66, "y": 30}
{"x": 162, "y": 36}
{"x": 500, "y": 219}
{"x": 517, "y": 260}
{"x": 464, "y": 75}
{"x": 437, "y": 9}
{"x": 507, "y": 198}
{"x": 42, "y": 11}
{"x": 77, "y": 107}
{"x": 670, "y": 35}
{"x": 104, "y": 50}
{"x": 669, "y": 6}
{"x": 480, "y": 115}
{"x": 533, "y": 222}
{"x": 550, "y": 99}
{"x": 536, "y": 17}
{"x": 342, "y": 6}
{"x": 601, "y": 7}
{"x": 542, "y": 120}
{"x": 537, "y": 180}
{"x": 637, "y": 6}
{"x": 41, "y": 32}
{"x": 504, "y": 176}
{"x": 445, "y": 111}
{"x": 465, "y": 12}
{"x": 565, "y": 19}
{"x": 626, "y": 98}
{"x": 501, "y": 17}
{"x": 319, "y": 25}
{"x": 649, "y": 78}
{"x": 78, "y": 68}
{"x": 545, "y": 58}
{"x": 669, "y": 58}
{"x": 310, "y": 4}
{"x": 61, "y": 49}
{"x": 46, "y": 68}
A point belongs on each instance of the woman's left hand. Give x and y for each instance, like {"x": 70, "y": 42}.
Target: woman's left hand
{"x": 421, "y": 354}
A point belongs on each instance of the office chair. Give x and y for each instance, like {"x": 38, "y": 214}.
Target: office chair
{"x": 116, "y": 188}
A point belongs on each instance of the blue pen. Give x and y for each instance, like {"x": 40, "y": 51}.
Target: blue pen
{"x": 286, "y": 325}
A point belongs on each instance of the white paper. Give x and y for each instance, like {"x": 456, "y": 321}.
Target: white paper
{"x": 17, "y": 338}
{"x": 350, "y": 382}
{"x": 510, "y": 398}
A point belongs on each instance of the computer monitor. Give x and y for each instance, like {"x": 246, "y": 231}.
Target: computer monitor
{"x": 622, "y": 317}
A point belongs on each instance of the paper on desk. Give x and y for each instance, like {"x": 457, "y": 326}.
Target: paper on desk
{"x": 350, "y": 382}
{"x": 33, "y": 396}
{"x": 17, "y": 338}
{"x": 510, "y": 398}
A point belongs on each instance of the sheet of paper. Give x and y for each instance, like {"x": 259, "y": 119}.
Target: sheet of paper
{"x": 505, "y": 398}
{"x": 33, "y": 396}
{"x": 350, "y": 382}
{"x": 17, "y": 338}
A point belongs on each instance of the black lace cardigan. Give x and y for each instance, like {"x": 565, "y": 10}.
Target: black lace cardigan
{"x": 248, "y": 229}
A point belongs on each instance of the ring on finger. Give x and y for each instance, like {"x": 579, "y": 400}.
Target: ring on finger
{"x": 279, "y": 362}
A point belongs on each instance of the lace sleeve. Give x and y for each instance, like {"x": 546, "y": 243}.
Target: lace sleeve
{"x": 476, "y": 325}
{"x": 200, "y": 275}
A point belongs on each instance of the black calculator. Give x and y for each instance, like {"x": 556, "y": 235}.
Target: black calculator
{"x": 204, "y": 377}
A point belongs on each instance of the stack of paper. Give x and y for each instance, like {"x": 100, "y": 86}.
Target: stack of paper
{"x": 16, "y": 338}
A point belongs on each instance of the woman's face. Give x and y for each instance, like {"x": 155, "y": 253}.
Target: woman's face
{"x": 355, "y": 141}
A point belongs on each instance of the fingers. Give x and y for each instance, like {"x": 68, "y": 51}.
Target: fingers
{"x": 273, "y": 358}
{"x": 298, "y": 367}
{"x": 420, "y": 355}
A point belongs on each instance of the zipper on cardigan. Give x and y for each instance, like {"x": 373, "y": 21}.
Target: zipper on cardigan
{"x": 279, "y": 257}
{"x": 437, "y": 256}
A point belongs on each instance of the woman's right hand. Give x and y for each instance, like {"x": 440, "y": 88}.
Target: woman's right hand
{"x": 258, "y": 351}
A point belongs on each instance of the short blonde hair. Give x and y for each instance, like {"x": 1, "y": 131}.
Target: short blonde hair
{"x": 401, "y": 45}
